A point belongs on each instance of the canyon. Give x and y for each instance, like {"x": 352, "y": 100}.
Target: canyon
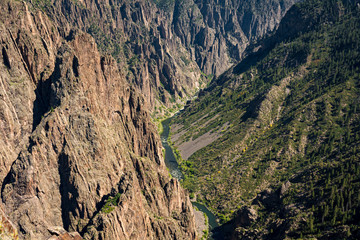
{"x": 170, "y": 49}
{"x": 267, "y": 136}
{"x": 80, "y": 156}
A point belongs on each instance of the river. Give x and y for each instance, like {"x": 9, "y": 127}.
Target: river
{"x": 170, "y": 159}
{"x": 173, "y": 167}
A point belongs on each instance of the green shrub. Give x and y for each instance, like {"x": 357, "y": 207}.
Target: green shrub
{"x": 110, "y": 203}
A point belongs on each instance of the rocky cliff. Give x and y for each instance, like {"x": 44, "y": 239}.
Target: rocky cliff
{"x": 169, "y": 49}
{"x": 79, "y": 155}
{"x": 221, "y": 30}
{"x": 139, "y": 36}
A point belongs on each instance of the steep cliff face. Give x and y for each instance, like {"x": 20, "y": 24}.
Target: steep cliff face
{"x": 79, "y": 153}
{"x": 170, "y": 49}
{"x": 28, "y": 45}
{"x": 139, "y": 36}
{"x": 221, "y": 30}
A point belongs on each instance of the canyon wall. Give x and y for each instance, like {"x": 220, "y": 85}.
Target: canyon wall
{"x": 80, "y": 157}
{"x": 169, "y": 49}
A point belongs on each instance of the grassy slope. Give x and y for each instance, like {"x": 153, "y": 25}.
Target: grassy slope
{"x": 293, "y": 115}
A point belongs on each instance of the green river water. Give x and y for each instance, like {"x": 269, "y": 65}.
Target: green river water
{"x": 173, "y": 167}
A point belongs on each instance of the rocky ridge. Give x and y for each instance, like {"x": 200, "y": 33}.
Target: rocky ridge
{"x": 169, "y": 49}
{"x": 79, "y": 154}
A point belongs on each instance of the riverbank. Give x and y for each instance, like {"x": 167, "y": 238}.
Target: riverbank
{"x": 203, "y": 224}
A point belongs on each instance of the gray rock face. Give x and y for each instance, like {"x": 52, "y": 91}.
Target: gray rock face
{"x": 219, "y": 31}
{"x": 284, "y": 188}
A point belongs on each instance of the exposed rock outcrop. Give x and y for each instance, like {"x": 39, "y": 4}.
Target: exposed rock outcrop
{"x": 165, "y": 47}
{"x": 7, "y": 229}
{"x": 83, "y": 155}
{"x": 140, "y": 37}
{"x": 221, "y": 30}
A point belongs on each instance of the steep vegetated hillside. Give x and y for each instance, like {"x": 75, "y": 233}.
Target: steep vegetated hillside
{"x": 79, "y": 156}
{"x": 169, "y": 49}
{"x": 273, "y": 144}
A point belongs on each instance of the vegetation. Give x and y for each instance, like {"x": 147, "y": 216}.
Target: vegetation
{"x": 292, "y": 114}
{"x": 44, "y": 5}
{"x": 166, "y": 5}
{"x": 111, "y": 203}
{"x": 107, "y": 43}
